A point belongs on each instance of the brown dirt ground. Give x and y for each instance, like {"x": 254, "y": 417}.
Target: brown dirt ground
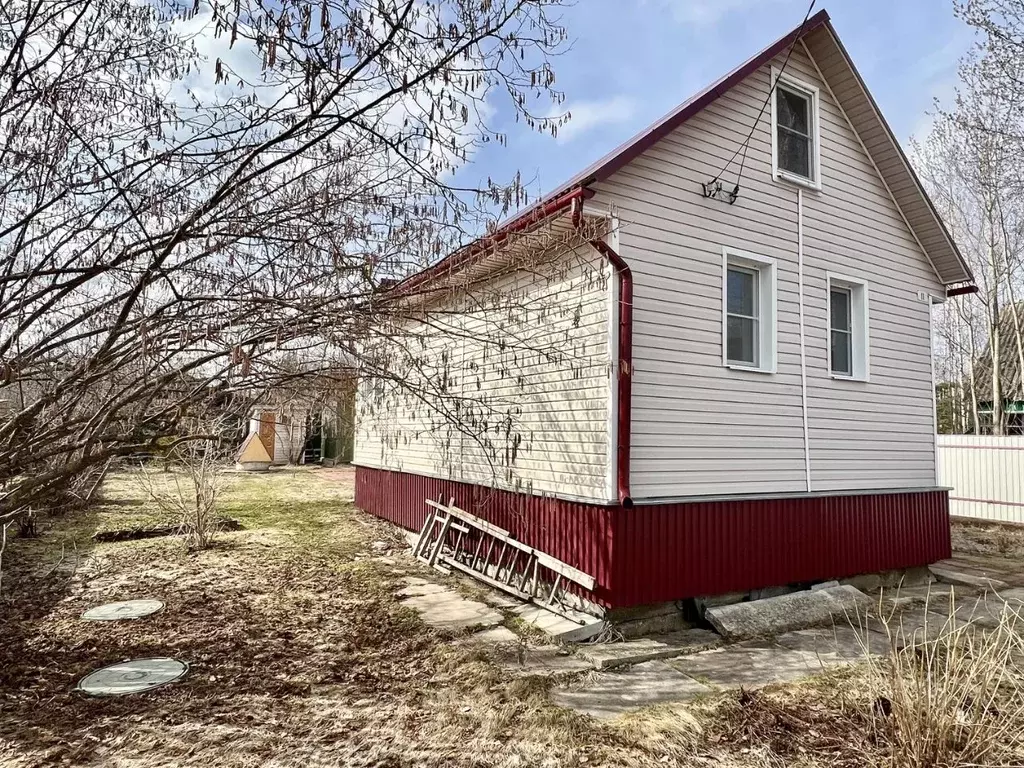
{"x": 984, "y": 549}
{"x": 300, "y": 655}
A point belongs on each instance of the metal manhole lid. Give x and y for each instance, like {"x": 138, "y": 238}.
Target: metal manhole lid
{"x": 126, "y": 609}
{"x": 132, "y": 677}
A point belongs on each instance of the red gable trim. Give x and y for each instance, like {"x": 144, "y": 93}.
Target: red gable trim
{"x": 610, "y": 163}
{"x": 644, "y": 140}
{"x": 480, "y": 247}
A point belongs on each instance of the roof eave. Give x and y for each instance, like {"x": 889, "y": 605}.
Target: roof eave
{"x": 947, "y": 277}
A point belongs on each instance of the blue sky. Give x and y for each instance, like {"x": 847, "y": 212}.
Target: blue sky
{"x": 634, "y": 60}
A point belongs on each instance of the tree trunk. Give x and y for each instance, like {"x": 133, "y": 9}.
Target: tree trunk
{"x": 995, "y": 330}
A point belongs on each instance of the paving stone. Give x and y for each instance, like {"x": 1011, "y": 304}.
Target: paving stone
{"x": 494, "y": 636}
{"x": 840, "y": 644}
{"x": 936, "y": 596}
{"x": 609, "y": 694}
{"x": 544, "y": 660}
{"x": 750, "y": 664}
{"x": 775, "y": 615}
{"x": 559, "y": 628}
{"x": 983, "y": 611}
{"x": 962, "y": 578}
{"x": 609, "y": 655}
{"x": 919, "y": 625}
{"x": 449, "y": 610}
{"x": 501, "y": 600}
{"x": 427, "y": 588}
{"x": 1014, "y": 597}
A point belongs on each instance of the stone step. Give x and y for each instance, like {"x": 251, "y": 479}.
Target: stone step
{"x": 961, "y": 578}
{"x": 610, "y": 655}
{"x": 775, "y": 615}
{"x": 581, "y": 626}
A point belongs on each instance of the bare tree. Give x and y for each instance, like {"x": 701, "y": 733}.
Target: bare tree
{"x": 974, "y": 167}
{"x": 189, "y": 491}
{"x": 188, "y": 189}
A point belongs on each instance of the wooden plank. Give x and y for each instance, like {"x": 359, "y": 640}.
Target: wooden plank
{"x": 440, "y": 541}
{"x": 476, "y": 522}
{"x": 424, "y": 531}
{"x": 563, "y": 569}
{"x": 511, "y": 590}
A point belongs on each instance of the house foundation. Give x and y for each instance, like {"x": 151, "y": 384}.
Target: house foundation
{"x": 658, "y": 553}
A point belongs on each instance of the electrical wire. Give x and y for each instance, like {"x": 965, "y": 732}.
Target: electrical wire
{"x": 771, "y": 91}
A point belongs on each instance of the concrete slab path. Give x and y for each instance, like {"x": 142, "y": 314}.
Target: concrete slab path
{"x": 610, "y": 694}
{"x": 445, "y": 608}
{"x": 610, "y": 655}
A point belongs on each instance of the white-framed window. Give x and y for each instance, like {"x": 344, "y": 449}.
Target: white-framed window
{"x": 796, "y": 135}
{"x": 748, "y": 311}
{"x": 848, "y": 336}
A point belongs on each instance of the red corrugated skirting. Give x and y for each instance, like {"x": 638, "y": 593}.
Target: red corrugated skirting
{"x": 577, "y": 534}
{"x": 659, "y": 552}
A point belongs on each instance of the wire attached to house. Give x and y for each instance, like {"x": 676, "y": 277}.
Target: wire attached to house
{"x": 713, "y": 188}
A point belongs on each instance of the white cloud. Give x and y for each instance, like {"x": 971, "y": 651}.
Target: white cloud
{"x": 587, "y": 115}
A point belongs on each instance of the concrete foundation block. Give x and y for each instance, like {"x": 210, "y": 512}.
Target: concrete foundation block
{"x": 610, "y": 655}
{"x": 912, "y": 577}
{"x": 865, "y": 582}
{"x": 775, "y": 615}
{"x": 641, "y": 612}
{"x": 766, "y": 592}
{"x": 655, "y": 625}
{"x": 960, "y": 578}
{"x": 824, "y": 585}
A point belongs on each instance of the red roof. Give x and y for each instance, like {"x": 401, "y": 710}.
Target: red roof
{"x": 634, "y": 147}
{"x": 641, "y": 142}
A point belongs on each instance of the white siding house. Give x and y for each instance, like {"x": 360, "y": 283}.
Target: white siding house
{"x": 699, "y": 426}
{"x": 744, "y": 350}
{"x": 506, "y": 387}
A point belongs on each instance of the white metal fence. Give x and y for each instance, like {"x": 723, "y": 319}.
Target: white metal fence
{"x": 986, "y": 475}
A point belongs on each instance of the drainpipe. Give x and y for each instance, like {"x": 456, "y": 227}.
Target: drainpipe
{"x": 625, "y": 338}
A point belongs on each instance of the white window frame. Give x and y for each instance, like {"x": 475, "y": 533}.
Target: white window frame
{"x": 766, "y": 303}
{"x": 786, "y": 82}
{"x": 860, "y": 327}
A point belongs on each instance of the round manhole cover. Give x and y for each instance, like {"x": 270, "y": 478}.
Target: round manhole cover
{"x": 132, "y": 677}
{"x": 128, "y": 609}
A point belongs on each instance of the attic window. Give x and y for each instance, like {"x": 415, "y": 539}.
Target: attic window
{"x": 795, "y": 135}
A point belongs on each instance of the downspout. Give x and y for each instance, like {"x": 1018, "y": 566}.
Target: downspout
{"x": 625, "y": 342}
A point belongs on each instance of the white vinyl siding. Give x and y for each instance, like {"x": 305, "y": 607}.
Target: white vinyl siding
{"x": 525, "y": 402}
{"x": 700, "y": 428}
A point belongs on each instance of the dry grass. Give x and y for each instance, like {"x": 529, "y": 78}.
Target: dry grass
{"x": 300, "y": 653}
{"x": 980, "y": 538}
{"x": 301, "y": 656}
{"x": 955, "y": 700}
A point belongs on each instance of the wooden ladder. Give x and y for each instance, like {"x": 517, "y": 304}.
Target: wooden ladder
{"x": 453, "y": 538}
